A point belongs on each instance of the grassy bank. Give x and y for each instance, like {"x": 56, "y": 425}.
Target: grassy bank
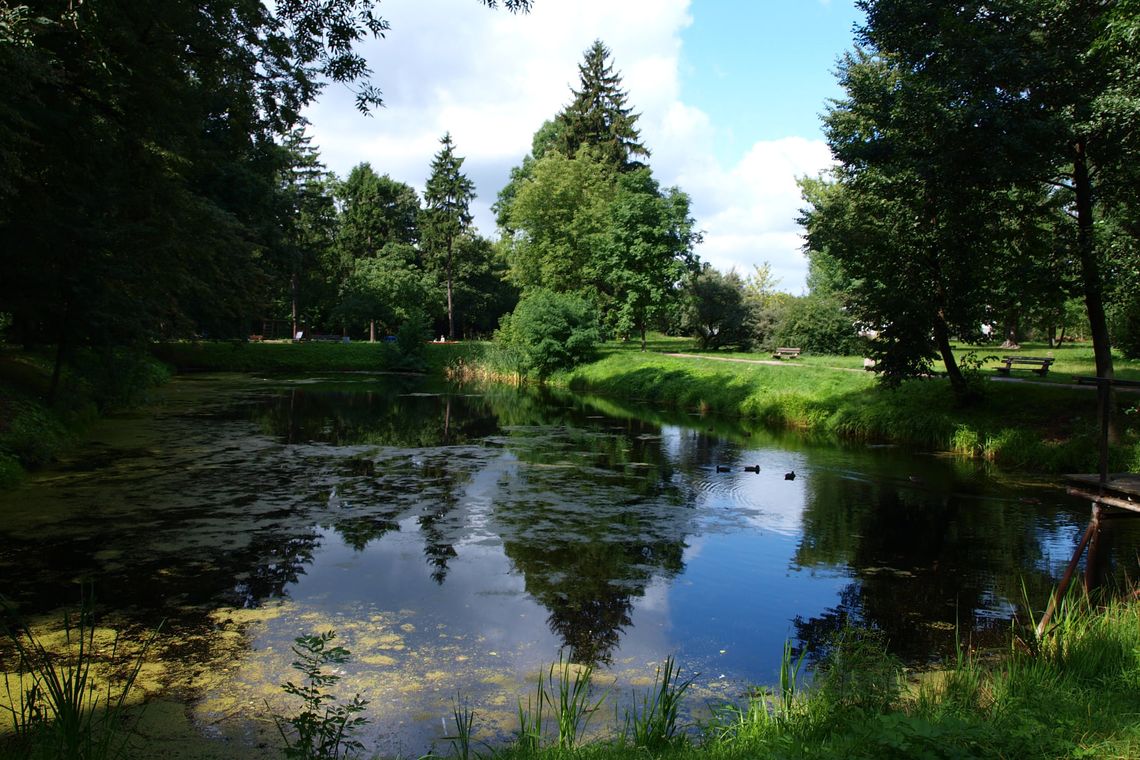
{"x": 33, "y": 431}
{"x": 1067, "y": 694}
{"x": 1048, "y": 427}
{"x": 285, "y": 356}
{"x": 1071, "y": 693}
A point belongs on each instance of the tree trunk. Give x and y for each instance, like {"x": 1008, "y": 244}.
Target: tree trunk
{"x": 957, "y": 380}
{"x": 1091, "y": 283}
{"x": 643, "y": 337}
{"x": 450, "y": 311}
{"x": 294, "y": 286}
{"x": 372, "y": 331}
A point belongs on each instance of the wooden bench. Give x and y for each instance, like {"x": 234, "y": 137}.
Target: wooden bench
{"x": 785, "y": 353}
{"x": 1038, "y": 364}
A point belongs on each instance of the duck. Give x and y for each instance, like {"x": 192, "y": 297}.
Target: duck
{"x": 752, "y": 468}
{"x": 790, "y": 475}
{"x": 723, "y": 468}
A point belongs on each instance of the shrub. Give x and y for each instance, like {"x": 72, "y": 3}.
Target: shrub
{"x": 324, "y": 729}
{"x": 547, "y": 332}
{"x": 817, "y": 324}
{"x": 411, "y": 340}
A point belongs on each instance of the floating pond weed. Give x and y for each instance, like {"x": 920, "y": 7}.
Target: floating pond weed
{"x": 69, "y": 703}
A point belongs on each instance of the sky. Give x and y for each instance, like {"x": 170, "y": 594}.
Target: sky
{"x": 729, "y": 94}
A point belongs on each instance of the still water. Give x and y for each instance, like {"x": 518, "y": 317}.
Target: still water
{"x": 459, "y": 540}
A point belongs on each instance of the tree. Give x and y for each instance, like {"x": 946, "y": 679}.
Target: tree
{"x": 138, "y": 165}
{"x": 930, "y": 191}
{"x": 447, "y": 215}
{"x": 558, "y": 217}
{"x": 597, "y": 119}
{"x": 716, "y": 311}
{"x": 388, "y": 288}
{"x": 482, "y": 293}
{"x": 1056, "y": 84}
{"x": 307, "y": 220}
{"x": 598, "y": 116}
{"x": 646, "y": 253}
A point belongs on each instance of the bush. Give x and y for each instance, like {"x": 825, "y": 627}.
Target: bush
{"x": 817, "y": 324}
{"x": 547, "y": 332}
{"x": 411, "y": 340}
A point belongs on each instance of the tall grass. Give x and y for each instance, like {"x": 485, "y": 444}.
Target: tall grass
{"x": 1075, "y": 692}
{"x": 1044, "y": 428}
{"x": 653, "y": 724}
{"x": 570, "y": 699}
{"x": 60, "y": 704}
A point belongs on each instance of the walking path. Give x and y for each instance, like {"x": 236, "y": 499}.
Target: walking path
{"x": 778, "y": 363}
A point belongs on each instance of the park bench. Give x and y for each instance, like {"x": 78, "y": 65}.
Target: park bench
{"x": 785, "y": 353}
{"x": 1038, "y": 364}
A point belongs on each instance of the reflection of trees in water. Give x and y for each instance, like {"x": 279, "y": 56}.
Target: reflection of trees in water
{"x": 927, "y": 557}
{"x": 384, "y": 417}
{"x": 590, "y": 519}
{"x": 437, "y": 526}
{"x": 358, "y": 532}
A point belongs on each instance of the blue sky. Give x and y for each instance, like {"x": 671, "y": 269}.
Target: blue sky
{"x": 729, "y": 94}
{"x": 762, "y": 70}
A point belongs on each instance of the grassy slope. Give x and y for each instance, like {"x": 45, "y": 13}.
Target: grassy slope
{"x": 1070, "y": 694}
{"x": 1048, "y": 427}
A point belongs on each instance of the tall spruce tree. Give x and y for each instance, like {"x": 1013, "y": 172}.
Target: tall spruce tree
{"x": 447, "y": 214}
{"x": 598, "y": 115}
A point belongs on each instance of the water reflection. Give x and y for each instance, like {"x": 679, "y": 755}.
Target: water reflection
{"x": 527, "y": 522}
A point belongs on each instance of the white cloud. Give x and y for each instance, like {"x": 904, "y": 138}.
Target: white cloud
{"x": 491, "y": 78}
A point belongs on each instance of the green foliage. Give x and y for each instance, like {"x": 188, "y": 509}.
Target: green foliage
{"x": 819, "y": 324}
{"x": 598, "y": 117}
{"x": 411, "y": 340}
{"x": 63, "y": 704}
{"x": 531, "y": 726}
{"x": 324, "y": 728}
{"x": 571, "y": 701}
{"x": 31, "y": 434}
{"x": 558, "y": 215}
{"x": 462, "y": 743}
{"x": 446, "y": 217}
{"x": 547, "y": 332}
{"x": 114, "y": 378}
{"x": 653, "y": 724}
{"x": 716, "y": 312}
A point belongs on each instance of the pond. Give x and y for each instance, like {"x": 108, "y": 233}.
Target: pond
{"x": 460, "y": 540}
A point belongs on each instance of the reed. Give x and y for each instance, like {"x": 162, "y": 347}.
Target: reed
{"x": 574, "y": 706}
{"x": 530, "y": 732}
{"x": 654, "y": 724}
{"x": 462, "y": 743}
{"x": 62, "y": 704}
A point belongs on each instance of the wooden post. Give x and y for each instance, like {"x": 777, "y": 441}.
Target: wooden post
{"x": 1090, "y": 531}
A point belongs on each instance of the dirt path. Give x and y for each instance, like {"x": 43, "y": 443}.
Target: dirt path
{"x": 778, "y": 363}
{"x": 768, "y": 362}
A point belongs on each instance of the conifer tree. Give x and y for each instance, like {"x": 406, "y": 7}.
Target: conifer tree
{"x": 447, "y": 213}
{"x": 598, "y": 115}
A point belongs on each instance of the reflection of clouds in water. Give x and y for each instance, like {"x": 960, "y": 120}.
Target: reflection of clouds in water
{"x": 763, "y": 500}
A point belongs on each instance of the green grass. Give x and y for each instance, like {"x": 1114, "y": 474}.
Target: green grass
{"x": 1042, "y": 427}
{"x": 1072, "y": 693}
{"x": 286, "y": 356}
{"x": 34, "y": 432}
